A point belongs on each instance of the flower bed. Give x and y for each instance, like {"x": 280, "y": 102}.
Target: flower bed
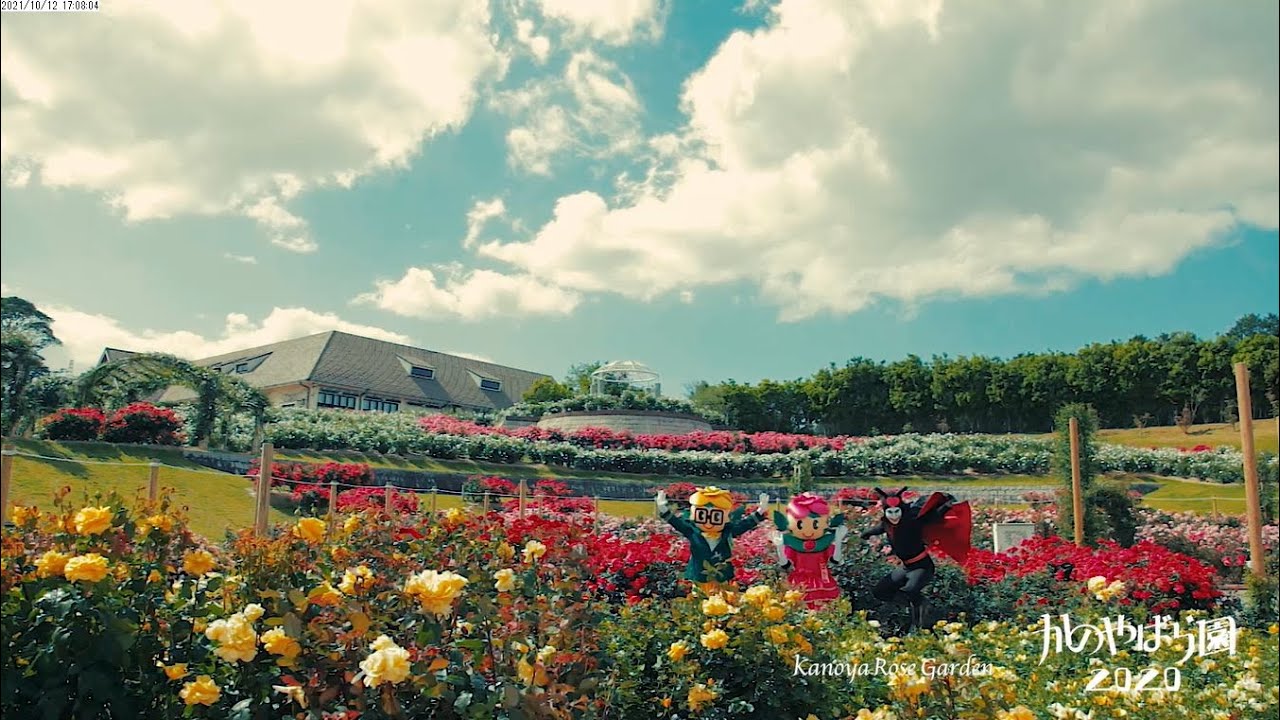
{"x": 551, "y": 615}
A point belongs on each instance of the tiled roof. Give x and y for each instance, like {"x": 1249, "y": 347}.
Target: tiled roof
{"x": 376, "y": 368}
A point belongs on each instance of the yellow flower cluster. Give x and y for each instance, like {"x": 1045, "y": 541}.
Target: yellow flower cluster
{"x": 203, "y": 691}
{"x": 163, "y": 523}
{"x": 504, "y": 580}
{"x": 715, "y": 639}
{"x": 237, "y": 641}
{"x": 435, "y": 591}
{"x": 678, "y": 650}
{"x": 1103, "y": 591}
{"x": 387, "y": 663}
{"x": 198, "y": 563}
{"x": 699, "y": 696}
{"x": 717, "y": 606}
{"x": 51, "y": 563}
{"x": 324, "y": 595}
{"x": 277, "y": 642}
{"x": 533, "y": 550}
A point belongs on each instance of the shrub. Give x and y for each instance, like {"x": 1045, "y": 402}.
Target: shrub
{"x": 374, "y": 499}
{"x": 144, "y": 424}
{"x": 72, "y": 424}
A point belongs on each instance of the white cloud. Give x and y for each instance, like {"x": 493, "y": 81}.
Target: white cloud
{"x": 481, "y": 213}
{"x": 592, "y": 110}
{"x": 617, "y": 22}
{"x": 222, "y": 107}
{"x": 472, "y": 356}
{"x": 84, "y": 334}
{"x": 853, "y": 151}
{"x": 538, "y": 45}
{"x": 470, "y": 295}
{"x": 246, "y": 259}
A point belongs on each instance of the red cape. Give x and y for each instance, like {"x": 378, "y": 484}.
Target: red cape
{"x": 953, "y": 535}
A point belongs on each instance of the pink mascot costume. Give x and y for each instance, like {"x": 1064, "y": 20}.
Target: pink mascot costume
{"x": 810, "y": 538}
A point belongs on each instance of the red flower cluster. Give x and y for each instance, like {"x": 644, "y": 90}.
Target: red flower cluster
{"x": 73, "y": 424}
{"x": 144, "y": 423}
{"x": 373, "y": 498}
{"x": 680, "y": 492}
{"x": 604, "y": 438}
{"x": 625, "y": 566}
{"x": 295, "y": 474}
{"x": 1157, "y": 577}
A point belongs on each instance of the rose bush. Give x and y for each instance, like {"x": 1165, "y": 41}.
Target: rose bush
{"x": 72, "y": 424}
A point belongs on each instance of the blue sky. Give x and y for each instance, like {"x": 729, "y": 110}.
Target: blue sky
{"x": 720, "y": 190}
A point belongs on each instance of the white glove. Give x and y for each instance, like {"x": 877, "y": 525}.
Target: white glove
{"x": 763, "y": 507}
{"x": 661, "y": 501}
{"x": 838, "y": 554}
{"x": 778, "y": 545}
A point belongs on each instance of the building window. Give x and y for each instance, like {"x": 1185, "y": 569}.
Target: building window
{"x": 335, "y": 399}
{"x": 372, "y": 404}
{"x": 490, "y": 385}
{"x": 242, "y": 367}
{"x": 425, "y": 373}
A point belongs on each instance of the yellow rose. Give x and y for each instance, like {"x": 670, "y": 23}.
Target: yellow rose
{"x": 1022, "y": 712}
{"x": 505, "y": 551}
{"x": 436, "y": 591}
{"x": 350, "y": 525}
{"x": 758, "y": 595}
{"x": 93, "y": 520}
{"x": 204, "y": 691}
{"x": 715, "y": 606}
{"x": 294, "y": 692}
{"x": 387, "y": 663}
{"x": 325, "y": 595}
{"x": 154, "y": 576}
{"x": 534, "y": 550}
{"x": 778, "y": 634}
{"x": 531, "y": 674}
{"x": 91, "y": 568}
{"x": 356, "y": 581}
{"x": 794, "y": 597}
{"x": 176, "y": 671}
{"x": 546, "y": 653}
{"x": 454, "y": 516}
{"x": 22, "y": 515}
{"x": 715, "y": 639}
{"x": 197, "y": 562}
{"x": 237, "y": 641}
{"x": 774, "y": 612}
{"x": 677, "y": 651}
{"x": 276, "y": 642}
{"x": 310, "y": 529}
{"x": 51, "y": 563}
{"x": 908, "y": 686}
{"x": 504, "y": 580}
{"x": 700, "y": 695}
{"x": 1096, "y": 583}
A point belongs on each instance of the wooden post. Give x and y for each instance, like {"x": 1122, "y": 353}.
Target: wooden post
{"x": 153, "y": 486}
{"x": 6, "y": 477}
{"x": 1077, "y": 493}
{"x": 521, "y": 500}
{"x": 263, "y": 506}
{"x": 1252, "y": 502}
{"x": 486, "y": 502}
{"x": 333, "y": 502}
{"x": 433, "y": 503}
{"x": 1215, "y": 507}
{"x": 597, "y": 519}
{"x": 386, "y": 499}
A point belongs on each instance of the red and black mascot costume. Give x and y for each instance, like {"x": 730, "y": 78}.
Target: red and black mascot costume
{"x": 933, "y": 523}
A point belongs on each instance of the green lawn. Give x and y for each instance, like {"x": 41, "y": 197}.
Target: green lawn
{"x": 1190, "y": 496}
{"x": 215, "y": 502}
{"x": 1216, "y": 435}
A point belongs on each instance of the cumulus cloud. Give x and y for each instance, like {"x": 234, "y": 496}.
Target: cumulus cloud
{"x": 481, "y": 213}
{"x": 470, "y": 295}
{"x": 592, "y": 110}
{"x": 219, "y": 107}
{"x": 245, "y": 259}
{"x": 616, "y": 22}
{"x": 850, "y": 151}
{"x": 85, "y": 334}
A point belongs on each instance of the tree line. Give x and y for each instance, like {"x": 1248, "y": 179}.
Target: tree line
{"x": 1176, "y": 378}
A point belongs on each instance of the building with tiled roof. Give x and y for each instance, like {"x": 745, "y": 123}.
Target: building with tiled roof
{"x": 339, "y": 370}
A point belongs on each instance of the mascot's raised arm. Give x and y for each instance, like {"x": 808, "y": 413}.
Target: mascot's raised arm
{"x": 934, "y": 523}
{"x": 710, "y": 526}
{"x": 809, "y": 538}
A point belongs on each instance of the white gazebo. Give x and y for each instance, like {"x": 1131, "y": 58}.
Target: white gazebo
{"x": 625, "y": 375}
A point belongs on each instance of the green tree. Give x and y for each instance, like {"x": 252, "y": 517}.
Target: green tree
{"x": 578, "y": 378}
{"x": 116, "y": 383}
{"x": 707, "y": 397}
{"x": 25, "y": 332}
{"x": 1254, "y": 324}
{"x": 910, "y": 394}
{"x": 546, "y": 390}
{"x": 1261, "y": 353}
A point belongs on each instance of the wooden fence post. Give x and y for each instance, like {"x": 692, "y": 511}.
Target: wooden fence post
{"x": 486, "y": 502}
{"x": 433, "y": 503}
{"x": 521, "y": 500}
{"x": 597, "y": 520}
{"x": 263, "y": 506}
{"x": 153, "y": 485}
{"x": 1077, "y": 493}
{"x": 6, "y": 477}
{"x": 386, "y": 499}
{"x": 333, "y": 503}
{"x": 1252, "y": 501}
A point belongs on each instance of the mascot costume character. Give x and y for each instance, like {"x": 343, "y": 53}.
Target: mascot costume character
{"x": 810, "y": 537}
{"x": 710, "y": 527}
{"x": 936, "y": 522}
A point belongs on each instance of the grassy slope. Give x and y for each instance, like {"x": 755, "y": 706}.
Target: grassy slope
{"x": 215, "y": 501}
{"x": 1264, "y": 436}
